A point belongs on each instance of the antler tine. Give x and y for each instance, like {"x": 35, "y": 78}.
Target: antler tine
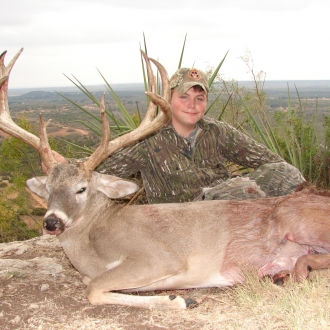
{"x": 7, "y": 124}
{"x": 102, "y": 150}
{"x": 166, "y": 92}
{"x": 150, "y": 114}
{"x": 151, "y": 76}
{"x": 150, "y": 123}
{"x": 44, "y": 149}
{"x": 5, "y": 71}
{"x": 162, "y": 102}
{"x": 157, "y": 100}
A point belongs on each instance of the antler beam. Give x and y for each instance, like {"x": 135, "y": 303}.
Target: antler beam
{"x": 149, "y": 124}
{"x": 7, "y": 124}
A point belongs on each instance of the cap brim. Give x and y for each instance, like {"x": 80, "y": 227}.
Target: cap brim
{"x": 183, "y": 88}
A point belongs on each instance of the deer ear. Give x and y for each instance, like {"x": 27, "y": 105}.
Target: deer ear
{"x": 38, "y": 186}
{"x": 114, "y": 187}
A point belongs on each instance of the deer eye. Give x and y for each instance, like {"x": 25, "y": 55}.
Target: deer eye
{"x": 80, "y": 191}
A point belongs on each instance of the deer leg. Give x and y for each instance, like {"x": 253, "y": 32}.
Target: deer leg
{"x": 126, "y": 278}
{"x": 306, "y": 263}
{"x": 86, "y": 280}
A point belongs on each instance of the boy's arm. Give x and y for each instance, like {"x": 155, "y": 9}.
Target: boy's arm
{"x": 243, "y": 150}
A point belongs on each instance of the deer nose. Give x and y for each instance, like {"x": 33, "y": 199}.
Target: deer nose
{"x": 52, "y": 223}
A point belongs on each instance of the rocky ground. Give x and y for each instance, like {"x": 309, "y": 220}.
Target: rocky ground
{"x": 39, "y": 289}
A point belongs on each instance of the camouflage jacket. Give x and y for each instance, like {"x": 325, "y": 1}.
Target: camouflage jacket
{"x": 174, "y": 170}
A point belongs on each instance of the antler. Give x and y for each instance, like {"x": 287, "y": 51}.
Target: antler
{"x": 8, "y": 126}
{"x": 149, "y": 124}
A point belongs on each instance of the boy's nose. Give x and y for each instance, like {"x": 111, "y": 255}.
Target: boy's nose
{"x": 191, "y": 104}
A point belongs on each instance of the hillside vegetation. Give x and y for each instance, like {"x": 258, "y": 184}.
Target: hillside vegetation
{"x": 293, "y": 110}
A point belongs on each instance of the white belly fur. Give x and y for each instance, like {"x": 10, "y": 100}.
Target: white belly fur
{"x": 184, "y": 281}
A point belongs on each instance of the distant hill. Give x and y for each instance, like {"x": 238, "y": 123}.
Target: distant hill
{"x": 305, "y": 88}
{"x": 282, "y": 84}
{"x": 72, "y": 89}
{"x": 313, "y": 86}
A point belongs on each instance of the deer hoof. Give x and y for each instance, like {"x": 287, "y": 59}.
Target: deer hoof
{"x": 191, "y": 303}
{"x": 281, "y": 277}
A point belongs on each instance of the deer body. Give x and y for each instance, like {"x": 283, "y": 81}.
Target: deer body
{"x": 206, "y": 248}
{"x": 165, "y": 246}
{"x": 178, "y": 246}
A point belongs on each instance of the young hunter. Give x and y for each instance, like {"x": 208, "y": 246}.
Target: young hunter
{"x": 186, "y": 160}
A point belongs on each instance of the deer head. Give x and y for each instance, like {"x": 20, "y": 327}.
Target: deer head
{"x": 74, "y": 181}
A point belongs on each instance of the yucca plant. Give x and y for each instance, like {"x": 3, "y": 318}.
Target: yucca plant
{"x": 296, "y": 139}
{"x": 123, "y": 121}
{"x": 289, "y": 134}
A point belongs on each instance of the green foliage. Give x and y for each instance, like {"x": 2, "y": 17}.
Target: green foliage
{"x": 297, "y": 140}
{"x": 291, "y": 132}
{"x": 17, "y": 158}
{"x": 123, "y": 121}
{"x": 13, "y": 202}
{"x": 296, "y": 137}
{"x": 18, "y": 162}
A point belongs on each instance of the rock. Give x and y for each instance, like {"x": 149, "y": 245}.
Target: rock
{"x": 15, "y": 320}
{"x": 44, "y": 287}
{"x": 19, "y": 248}
{"x": 33, "y": 306}
{"x": 15, "y": 261}
{"x": 36, "y": 266}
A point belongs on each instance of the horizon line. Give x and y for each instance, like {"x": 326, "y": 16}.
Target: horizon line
{"x": 141, "y": 83}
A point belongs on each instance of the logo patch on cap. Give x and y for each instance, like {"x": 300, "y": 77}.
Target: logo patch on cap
{"x": 194, "y": 74}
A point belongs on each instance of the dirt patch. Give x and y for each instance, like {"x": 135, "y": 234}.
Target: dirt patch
{"x": 53, "y": 296}
{"x": 64, "y": 131}
{"x": 39, "y": 289}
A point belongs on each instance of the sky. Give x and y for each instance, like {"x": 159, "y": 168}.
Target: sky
{"x": 287, "y": 39}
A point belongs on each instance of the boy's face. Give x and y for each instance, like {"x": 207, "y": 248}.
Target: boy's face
{"x": 187, "y": 109}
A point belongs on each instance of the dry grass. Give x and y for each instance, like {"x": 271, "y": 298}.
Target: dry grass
{"x": 256, "y": 304}
{"x": 295, "y": 306}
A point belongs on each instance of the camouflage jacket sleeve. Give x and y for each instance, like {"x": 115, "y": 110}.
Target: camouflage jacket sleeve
{"x": 240, "y": 149}
{"x": 125, "y": 162}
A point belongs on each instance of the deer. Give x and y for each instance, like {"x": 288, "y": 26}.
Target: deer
{"x": 122, "y": 249}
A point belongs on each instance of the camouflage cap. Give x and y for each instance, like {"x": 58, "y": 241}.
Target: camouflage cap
{"x": 185, "y": 78}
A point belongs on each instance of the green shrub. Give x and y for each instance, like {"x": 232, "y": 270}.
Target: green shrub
{"x": 38, "y": 211}
{"x": 12, "y": 228}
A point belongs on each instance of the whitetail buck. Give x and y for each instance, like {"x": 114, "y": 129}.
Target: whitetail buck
{"x": 167, "y": 246}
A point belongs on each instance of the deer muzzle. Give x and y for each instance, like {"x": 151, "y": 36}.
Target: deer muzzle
{"x": 53, "y": 225}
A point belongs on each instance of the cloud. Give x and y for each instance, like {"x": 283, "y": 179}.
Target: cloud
{"x": 286, "y": 38}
